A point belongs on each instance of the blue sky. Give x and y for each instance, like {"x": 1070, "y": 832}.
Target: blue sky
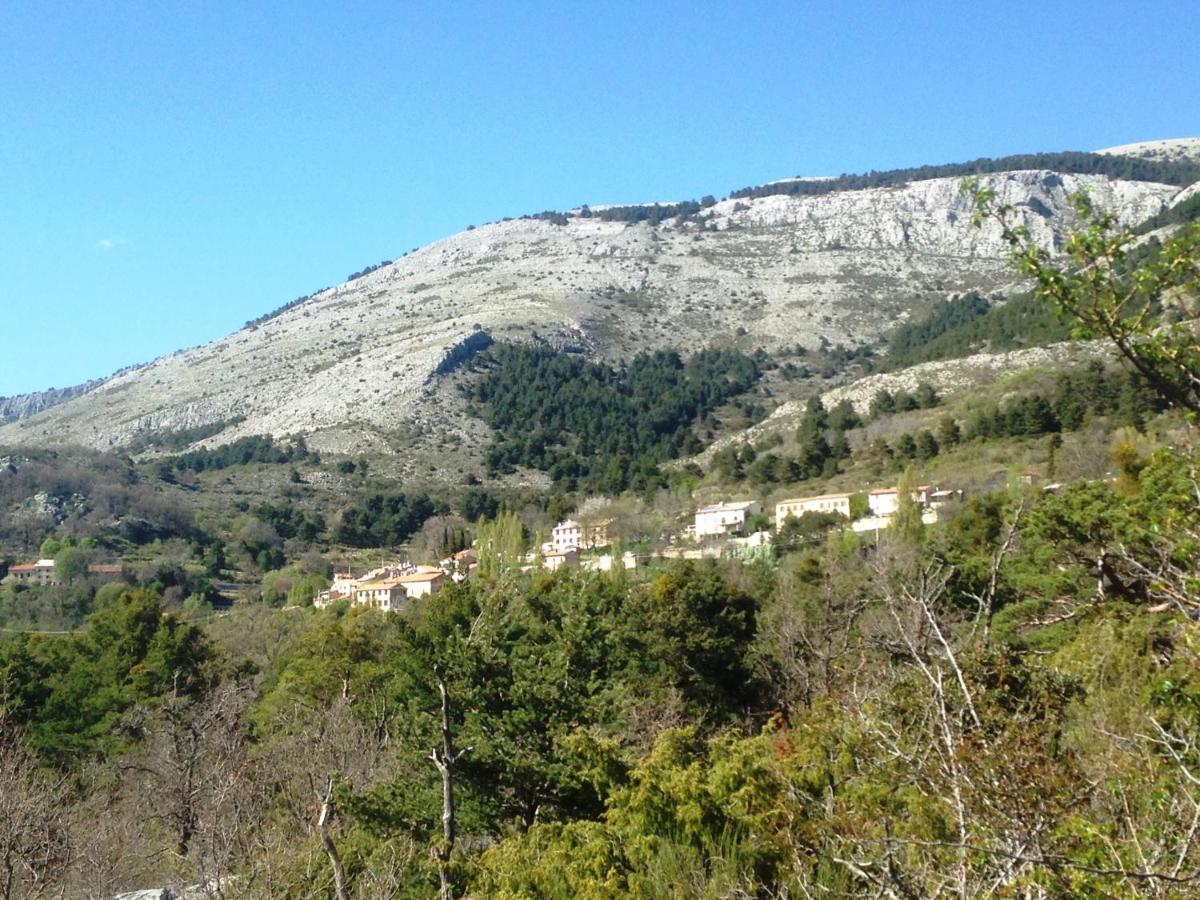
{"x": 170, "y": 170}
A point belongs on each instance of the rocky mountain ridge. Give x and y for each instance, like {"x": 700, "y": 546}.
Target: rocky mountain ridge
{"x": 354, "y": 367}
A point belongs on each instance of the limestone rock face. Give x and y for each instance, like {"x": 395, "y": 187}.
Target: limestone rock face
{"x": 355, "y": 364}
{"x": 22, "y": 406}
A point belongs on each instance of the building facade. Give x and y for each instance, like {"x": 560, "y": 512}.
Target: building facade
{"x": 825, "y": 503}
{"x": 721, "y": 519}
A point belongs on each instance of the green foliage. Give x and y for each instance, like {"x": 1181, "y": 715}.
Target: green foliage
{"x": 885, "y": 402}
{"x": 807, "y": 528}
{"x": 180, "y": 437}
{"x": 383, "y": 520}
{"x": 72, "y": 692}
{"x": 242, "y": 452}
{"x": 596, "y": 428}
{"x": 1080, "y": 394}
{"x": 697, "y": 631}
{"x": 501, "y": 544}
{"x": 1135, "y": 302}
{"x": 970, "y": 324}
{"x": 290, "y": 521}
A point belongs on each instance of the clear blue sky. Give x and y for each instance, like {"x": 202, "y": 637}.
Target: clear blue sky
{"x": 170, "y": 170}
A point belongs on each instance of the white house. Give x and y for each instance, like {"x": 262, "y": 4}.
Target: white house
{"x": 826, "y": 503}
{"x": 725, "y": 518}
{"x": 571, "y": 533}
{"x": 566, "y": 535}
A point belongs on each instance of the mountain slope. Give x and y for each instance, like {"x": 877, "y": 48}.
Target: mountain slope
{"x": 354, "y": 365}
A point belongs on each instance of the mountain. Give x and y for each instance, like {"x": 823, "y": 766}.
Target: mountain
{"x": 359, "y": 366}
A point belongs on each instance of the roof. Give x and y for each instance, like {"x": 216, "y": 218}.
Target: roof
{"x": 557, "y": 553}
{"x": 418, "y": 577}
{"x": 105, "y": 568}
{"x": 22, "y": 567}
{"x": 569, "y": 523}
{"x": 386, "y": 584}
{"x": 731, "y": 506}
{"x": 896, "y": 490}
{"x": 815, "y": 497}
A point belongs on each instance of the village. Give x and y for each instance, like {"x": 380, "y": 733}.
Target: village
{"x": 736, "y": 528}
{"x": 726, "y": 528}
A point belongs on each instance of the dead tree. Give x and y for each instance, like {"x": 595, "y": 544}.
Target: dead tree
{"x": 445, "y": 759}
{"x": 328, "y": 811}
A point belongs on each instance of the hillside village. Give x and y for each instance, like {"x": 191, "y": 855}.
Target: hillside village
{"x": 727, "y": 528}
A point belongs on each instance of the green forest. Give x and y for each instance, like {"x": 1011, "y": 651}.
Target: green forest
{"x": 971, "y": 324}
{"x": 594, "y": 427}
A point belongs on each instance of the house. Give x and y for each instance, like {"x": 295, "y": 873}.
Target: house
{"x": 40, "y": 572}
{"x": 938, "y": 499}
{"x": 565, "y": 535}
{"x": 884, "y": 502}
{"x": 608, "y": 562}
{"x": 561, "y": 559}
{"x": 458, "y": 566}
{"x": 106, "y": 571}
{"x": 720, "y": 519}
{"x": 388, "y": 595}
{"x": 423, "y": 582}
{"x": 386, "y": 588}
{"x": 825, "y": 503}
{"x": 571, "y": 533}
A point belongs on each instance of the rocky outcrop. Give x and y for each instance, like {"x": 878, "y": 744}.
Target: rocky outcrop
{"x": 352, "y": 365}
{"x": 22, "y": 406}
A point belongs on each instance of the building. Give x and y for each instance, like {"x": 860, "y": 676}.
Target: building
{"x": 106, "y": 571}
{"x": 425, "y": 581}
{"x": 565, "y": 535}
{"x": 561, "y": 559}
{"x": 721, "y": 519}
{"x": 824, "y": 503}
{"x": 885, "y": 501}
{"x": 387, "y": 596}
{"x": 571, "y": 533}
{"x": 386, "y": 588}
{"x": 938, "y": 499}
{"x": 460, "y": 565}
{"x": 40, "y": 572}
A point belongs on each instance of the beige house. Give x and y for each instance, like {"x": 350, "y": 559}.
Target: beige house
{"x": 824, "y": 503}
{"x": 720, "y": 519}
{"x": 425, "y": 581}
{"x": 561, "y": 559}
{"x": 387, "y": 596}
{"x": 885, "y": 501}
